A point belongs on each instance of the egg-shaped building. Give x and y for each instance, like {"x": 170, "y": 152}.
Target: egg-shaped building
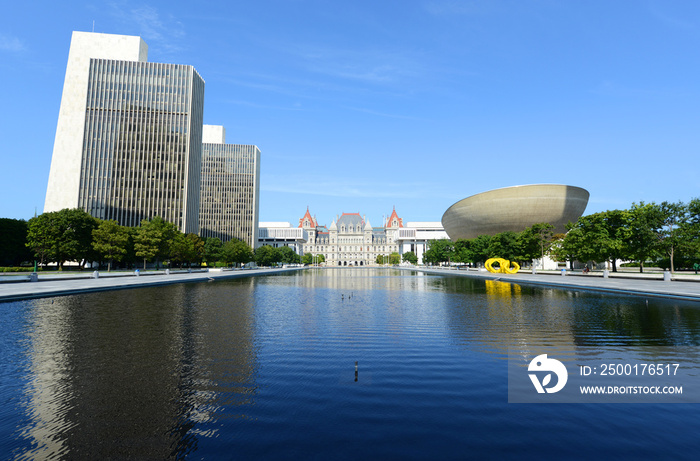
{"x": 514, "y": 209}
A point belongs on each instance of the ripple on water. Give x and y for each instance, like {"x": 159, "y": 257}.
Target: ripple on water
{"x": 265, "y": 368}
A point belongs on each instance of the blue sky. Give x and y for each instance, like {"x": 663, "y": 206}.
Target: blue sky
{"x": 365, "y": 105}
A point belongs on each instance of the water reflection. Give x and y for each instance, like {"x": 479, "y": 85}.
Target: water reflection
{"x": 507, "y": 315}
{"x": 255, "y": 366}
{"x": 130, "y": 373}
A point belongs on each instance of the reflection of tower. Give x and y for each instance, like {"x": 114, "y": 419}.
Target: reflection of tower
{"x": 129, "y": 374}
{"x": 224, "y": 341}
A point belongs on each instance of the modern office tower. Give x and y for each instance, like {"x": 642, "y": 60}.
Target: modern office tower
{"x": 230, "y": 188}
{"x": 129, "y": 135}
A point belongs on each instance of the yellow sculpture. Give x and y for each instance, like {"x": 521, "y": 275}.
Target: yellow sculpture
{"x": 504, "y": 266}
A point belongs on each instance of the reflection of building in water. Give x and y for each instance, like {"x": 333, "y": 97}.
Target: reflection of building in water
{"x": 128, "y": 374}
{"x": 361, "y": 278}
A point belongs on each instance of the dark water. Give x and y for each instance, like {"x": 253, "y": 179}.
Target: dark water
{"x": 264, "y": 368}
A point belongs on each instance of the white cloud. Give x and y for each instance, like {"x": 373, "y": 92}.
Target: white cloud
{"x": 154, "y": 28}
{"x": 12, "y": 44}
{"x": 354, "y": 189}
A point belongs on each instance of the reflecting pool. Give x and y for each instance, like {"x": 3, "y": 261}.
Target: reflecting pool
{"x": 264, "y": 368}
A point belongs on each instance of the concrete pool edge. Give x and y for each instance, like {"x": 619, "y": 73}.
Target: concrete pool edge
{"x": 688, "y": 291}
{"x": 681, "y": 290}
{"x": 58, "y": 287}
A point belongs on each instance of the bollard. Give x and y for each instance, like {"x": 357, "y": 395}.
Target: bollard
{"x": 167, "y": 271}
{"x": 137, "y": 273}
{"x": 96, "y": 275}
{"x": 606, "y": 274}
{"x": 667, "y": 276}
{"x": 563, "y": 272}
{"x": 534, "y": 270}
{"x": 34, "y": 277}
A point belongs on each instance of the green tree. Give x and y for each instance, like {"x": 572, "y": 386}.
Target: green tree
{"x": 186, "y": 248}
{"x": 310, "y": 258}
{"x": 505, "y": 245}
{"x": 535, "y": 241}
{"x": 266, "y": 256}
{"x": 394, "y": 258}
{"x": 130, "y": 257}
{"x": 670, "y": 234}
{"x": 213, "y": 249}
{"x": 439, "y": 251}
{"x": 617, "y": 223}
{"x": 410, "y": 257}
{"x": 42, "y": 236}
{"x": 642, "y": 242}
{"x": 154, "y": 239}
{"x": 691, "y": 229}
{"x": 110, "y": 241}
{"x": 597, "y": 237}
{"x": 76, "y": 237}
{"x": 13, "y": 244}
{"x": 479, "y": 248}
{"x": 557, "y": 250}
{"x": 60, "y": 236}
{"x": 288, "y": 256}
{"x": 380, "y": 259}
{"x": 238, "y": 252}
{"x": 463, "y": 251}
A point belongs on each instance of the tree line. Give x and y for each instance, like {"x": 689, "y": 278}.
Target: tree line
{"x": 665, "y": 234}
{"x": 72, "y": 235}
{"x": 531, "y": 243}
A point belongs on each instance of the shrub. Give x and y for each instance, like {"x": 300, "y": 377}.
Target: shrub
{"x": 18, "y": 269}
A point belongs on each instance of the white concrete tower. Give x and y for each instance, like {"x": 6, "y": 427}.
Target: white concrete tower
{"x": 64, "y": 177}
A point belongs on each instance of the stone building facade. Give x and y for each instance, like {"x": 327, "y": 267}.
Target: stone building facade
{"x": 351, "y": 240}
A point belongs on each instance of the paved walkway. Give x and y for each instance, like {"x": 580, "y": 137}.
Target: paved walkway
{"x": 53, "y": 284}
{"x": 682, "y": 287}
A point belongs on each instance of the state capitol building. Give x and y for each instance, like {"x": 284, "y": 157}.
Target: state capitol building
{"x": 351, "y": 240}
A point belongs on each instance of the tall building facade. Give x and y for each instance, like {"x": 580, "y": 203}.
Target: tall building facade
{"x": 230, "y": 188}
{"x": 129, "y": 136}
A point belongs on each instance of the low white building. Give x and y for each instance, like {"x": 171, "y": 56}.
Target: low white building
{"x": 282, "y": 234}
{"x": 416, "y": 235}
